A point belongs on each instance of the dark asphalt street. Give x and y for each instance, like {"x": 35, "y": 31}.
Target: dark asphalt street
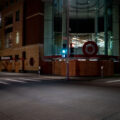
{"x": 29, "y": 97}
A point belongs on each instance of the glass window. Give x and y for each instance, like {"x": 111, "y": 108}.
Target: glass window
{"x": 0, "y": 21}
{"x": 8, "y": 40}
{"x": 17, "y": 38}
{"x": 8, "y": 37}
{"x": 17, "y": 15}
{"x": 11, "y": 1}
{"x": 16, "y": 58}
{"x": 6, "y": 5}
{"x": 91, "y": 20}
{"x": 9, "y": 19}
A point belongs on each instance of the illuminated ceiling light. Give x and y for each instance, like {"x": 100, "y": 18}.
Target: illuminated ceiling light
{"x": 111, "y": 37}
{"x": 88, "y": 1}
{"x": 101, "y": 40}
{"x": 95, "y": 8}
{"x": 84, "y": 40}
{"x": 74, "y": 38}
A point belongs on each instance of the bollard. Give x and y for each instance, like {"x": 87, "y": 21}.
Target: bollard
{"x": 39, "y": 69}
{"x": 102, "y": 71}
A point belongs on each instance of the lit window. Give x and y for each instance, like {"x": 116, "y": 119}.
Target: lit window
{"x": 17, "y": 38}
{"x": 8, "y": 37}
{"x": 8, "y": 40}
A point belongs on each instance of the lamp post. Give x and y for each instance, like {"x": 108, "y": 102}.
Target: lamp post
{"x": 67, "y": 60}
{"x": 65, "y": 33}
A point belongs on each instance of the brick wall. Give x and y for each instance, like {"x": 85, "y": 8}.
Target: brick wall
{"x": 34, "y": 22}
{"x": 32, "y": 51}
{"x": 32, "y": 35}
{"x": 17, "y": 25}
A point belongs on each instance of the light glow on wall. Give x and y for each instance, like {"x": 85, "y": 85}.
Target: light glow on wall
{"x": 17, "y": 38}
{"x": 0, "y": 20}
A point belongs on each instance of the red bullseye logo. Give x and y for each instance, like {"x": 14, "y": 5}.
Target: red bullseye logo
{"x": 90, "y": 48}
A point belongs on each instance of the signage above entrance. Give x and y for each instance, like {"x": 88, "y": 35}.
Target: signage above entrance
{"x": 6, "y": 58}
{"x": 90, "y": 48}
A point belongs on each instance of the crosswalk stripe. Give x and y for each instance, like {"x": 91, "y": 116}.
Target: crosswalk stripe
{"x": 20, "y": 80}
{"x": 13, "y": 80}
{"x": 5, "y": 83}
{"x": 6, "y": 80}
{"x": 26, "y": 79}
{"x": 113, "y": 81}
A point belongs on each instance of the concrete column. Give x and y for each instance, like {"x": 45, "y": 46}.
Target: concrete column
{"x": 116, "y": 32}
{"x": 64, "y": 22}
{"x": 106, "y": 27}
{"x": 48, "y": 29}
{"x": 96, "y": 21}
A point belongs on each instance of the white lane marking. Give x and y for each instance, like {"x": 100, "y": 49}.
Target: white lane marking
{"x": 113, "y": 81}
{"x": 12, "y": 80}
{"x": 22, "y": 80}
{"x": 49, "y": 77}
{"x": 5, "y": 83}
{"x": 26, "y": 79}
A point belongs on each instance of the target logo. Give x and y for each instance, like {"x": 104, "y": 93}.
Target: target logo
{"x": 90, "y": 48}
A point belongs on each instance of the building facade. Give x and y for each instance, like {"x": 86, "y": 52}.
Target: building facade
{"x": 71, "y": 30}
{"x": 21, "y": 35}
{"x": 46, "y": 33}
{"x": 93, "y": 20}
